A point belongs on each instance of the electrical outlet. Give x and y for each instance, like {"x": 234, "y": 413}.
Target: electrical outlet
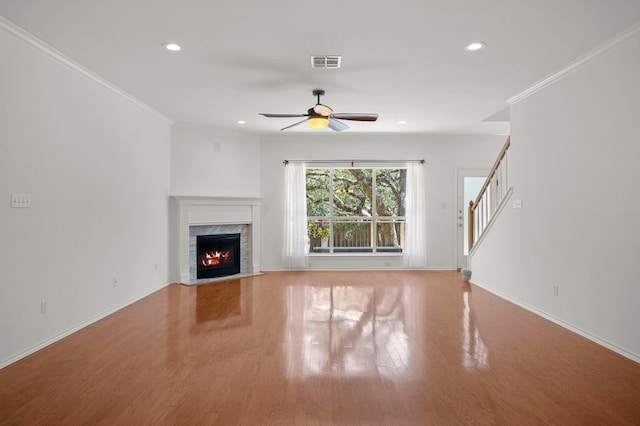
{"x": 556, "y": 289}
{"x": 43, "y": 306}
{"x": 115, "y": 282}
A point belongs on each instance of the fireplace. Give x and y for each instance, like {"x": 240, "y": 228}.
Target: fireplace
{"x": 217, "y": 255}
{"x": 194, "y": 216}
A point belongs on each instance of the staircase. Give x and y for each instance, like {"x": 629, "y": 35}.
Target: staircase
{"x": 491, "y": 199}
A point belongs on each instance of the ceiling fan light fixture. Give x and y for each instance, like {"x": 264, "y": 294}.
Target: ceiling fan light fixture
{"x": 318, "y": 122}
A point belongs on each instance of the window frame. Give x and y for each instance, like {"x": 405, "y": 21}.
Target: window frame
{"x": 375, "y": 219}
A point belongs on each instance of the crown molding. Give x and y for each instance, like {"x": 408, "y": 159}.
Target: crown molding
{"x": 578, "y": 63}
{"x": 22, "y": 36}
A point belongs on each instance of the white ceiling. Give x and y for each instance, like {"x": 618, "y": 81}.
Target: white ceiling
{"x": 403, "y": 59}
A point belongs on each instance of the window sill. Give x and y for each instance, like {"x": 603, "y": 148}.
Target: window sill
{"x": 325, "y": 250}
{"x": 356, "y": 254}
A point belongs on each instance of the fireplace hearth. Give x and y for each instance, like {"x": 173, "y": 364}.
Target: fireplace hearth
{"x": 217, "y": 255}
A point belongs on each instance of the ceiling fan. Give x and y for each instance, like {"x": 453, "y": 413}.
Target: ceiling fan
{"x": 321, "y": 116}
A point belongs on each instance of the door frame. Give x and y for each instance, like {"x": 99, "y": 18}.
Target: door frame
{"x": 460, "y": 260}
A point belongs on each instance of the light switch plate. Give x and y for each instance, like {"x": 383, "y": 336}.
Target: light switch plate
{"x": 20, "y": 201}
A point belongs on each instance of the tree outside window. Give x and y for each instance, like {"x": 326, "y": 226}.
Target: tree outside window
{"x": 361, "y": 210}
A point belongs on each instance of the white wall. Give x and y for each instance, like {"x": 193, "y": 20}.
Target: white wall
{"x": 96, "y": 164}
{"x": 213, "y": 163}
{"x": 442, "y": 153}
{"x": 575, "y": 156}
{"x": 210, "y": 162}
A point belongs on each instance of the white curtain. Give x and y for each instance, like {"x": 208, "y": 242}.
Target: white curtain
{"x": 295, "y": 216}
{"x": 415, "y": 239}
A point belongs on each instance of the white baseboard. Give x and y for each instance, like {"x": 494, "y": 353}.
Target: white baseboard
{"x": 596, "y": 339}
{"x": 16, "y": 357}
{"x": 355, "y": 269}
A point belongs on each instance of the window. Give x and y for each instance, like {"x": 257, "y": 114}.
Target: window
{"x": 352, "y": 210}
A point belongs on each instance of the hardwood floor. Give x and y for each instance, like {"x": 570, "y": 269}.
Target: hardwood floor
{"x": 388, "y": 348}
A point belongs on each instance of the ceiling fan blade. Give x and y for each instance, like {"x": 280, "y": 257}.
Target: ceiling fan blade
{"x": 294, "y": 124}
{"x": 336, "y": 125}
{"x": 355, "y": 116}
{"x": 322, "y": 110}
{"x": 283, "y": 115}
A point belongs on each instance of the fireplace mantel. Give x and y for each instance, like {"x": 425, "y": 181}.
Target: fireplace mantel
{"x": 189, "y": 211}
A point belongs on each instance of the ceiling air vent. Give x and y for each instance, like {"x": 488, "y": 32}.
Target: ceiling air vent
{"x": 325, "y": 61}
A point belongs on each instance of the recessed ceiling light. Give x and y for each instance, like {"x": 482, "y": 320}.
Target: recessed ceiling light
{"x": 241, "y": 122}
{"x": 401, "y": 122}
{"x": 174, "y": 47}
{"x": 476, "y": 45}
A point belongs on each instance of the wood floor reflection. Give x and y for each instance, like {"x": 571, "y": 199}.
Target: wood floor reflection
{"x": 384, "y": 348}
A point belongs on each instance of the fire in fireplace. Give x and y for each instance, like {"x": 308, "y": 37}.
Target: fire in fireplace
{"x": 217, "y": 255}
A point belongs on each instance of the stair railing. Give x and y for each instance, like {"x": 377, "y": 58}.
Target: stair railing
{"x": 493, "y": 191}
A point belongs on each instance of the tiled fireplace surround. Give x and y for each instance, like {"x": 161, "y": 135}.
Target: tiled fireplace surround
{"x": 194, "y": 216}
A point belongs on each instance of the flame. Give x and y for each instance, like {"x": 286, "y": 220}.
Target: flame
{"x": 214, "y": 258}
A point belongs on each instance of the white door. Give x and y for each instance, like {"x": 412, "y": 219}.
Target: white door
{"x": 470, "y": 183}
